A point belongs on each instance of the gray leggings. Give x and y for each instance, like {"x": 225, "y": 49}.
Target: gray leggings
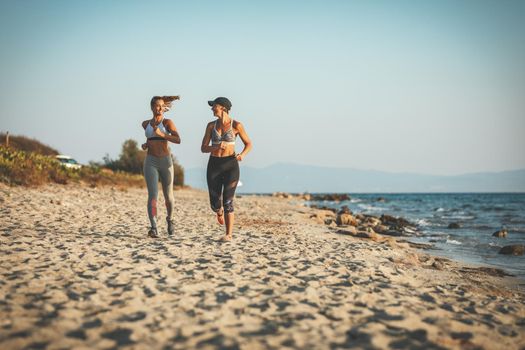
{"x": 155, "y": 167}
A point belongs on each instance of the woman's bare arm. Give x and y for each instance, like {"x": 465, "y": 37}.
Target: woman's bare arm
{"x": 172, "y": 134}
{"x": 144, "y": 146}
{"x": 172, "y": 129}
{"x": 245, "y": 139}
{"x": 205, "y": 146}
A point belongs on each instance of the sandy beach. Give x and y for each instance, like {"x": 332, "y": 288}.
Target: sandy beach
{"x": 78, "y": 272}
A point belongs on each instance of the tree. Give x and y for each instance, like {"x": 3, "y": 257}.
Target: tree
{"x": 131, "y": 157}
{"x": 178, "y": 172}
{"x": 130, "y": 160}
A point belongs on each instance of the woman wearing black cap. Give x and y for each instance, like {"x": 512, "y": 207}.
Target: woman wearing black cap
{"x": 223, "y": 167}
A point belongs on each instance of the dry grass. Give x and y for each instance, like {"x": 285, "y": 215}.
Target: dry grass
{"x": 24, "y": 168}
{"x": 27, "y": 144}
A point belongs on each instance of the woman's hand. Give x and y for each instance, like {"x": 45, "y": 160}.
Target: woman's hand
{"x": 159, "y": 133}
{"x": 144, "y": 146}
{"x": 239, "y": 157}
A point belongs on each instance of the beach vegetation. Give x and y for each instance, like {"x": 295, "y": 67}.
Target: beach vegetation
{"x": 28, "y": 162}
{"x": 18, "y": 167}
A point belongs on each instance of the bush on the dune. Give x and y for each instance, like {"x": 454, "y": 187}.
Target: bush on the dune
{"x": 23, "y": 143}
{"x": 30, "y": 169}
{"x": 30, "y": 163}
{"x": 33, "y": 169}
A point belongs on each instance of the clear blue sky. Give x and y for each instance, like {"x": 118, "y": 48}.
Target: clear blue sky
{"x": 432, "y": 87}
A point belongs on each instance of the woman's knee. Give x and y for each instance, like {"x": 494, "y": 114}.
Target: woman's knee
{"x": 228, "y": 206}
{"x": 215, "y": 208}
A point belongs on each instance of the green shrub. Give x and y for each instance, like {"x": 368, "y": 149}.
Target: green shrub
{"x": 32, "y": 169}
{"x": 178, "y": 172}
{"x": 29, "y": 163}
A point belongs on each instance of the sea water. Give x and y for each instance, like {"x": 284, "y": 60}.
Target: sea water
{"x": 478, "y": 215}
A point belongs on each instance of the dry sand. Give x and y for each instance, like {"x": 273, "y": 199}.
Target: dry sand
{"x": 78, "y": 272}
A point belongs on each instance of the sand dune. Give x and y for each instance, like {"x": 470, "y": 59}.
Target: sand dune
{"x": 78, "y": 272}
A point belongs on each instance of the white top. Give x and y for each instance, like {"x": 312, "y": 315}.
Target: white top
{"x": 150, "y": 132}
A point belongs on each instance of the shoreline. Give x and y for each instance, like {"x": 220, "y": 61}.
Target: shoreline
{"x": 425, "y": 235}
{"x": 426, "y": 251}
{"x": 79, "y": 272}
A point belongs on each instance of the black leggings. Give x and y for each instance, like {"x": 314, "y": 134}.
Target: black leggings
{"x": 222, "y": 176}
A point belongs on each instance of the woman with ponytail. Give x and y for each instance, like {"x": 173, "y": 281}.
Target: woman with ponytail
{"x": 158, "y": 163}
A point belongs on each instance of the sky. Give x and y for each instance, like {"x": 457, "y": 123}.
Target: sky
{"x": 431, "y": 87}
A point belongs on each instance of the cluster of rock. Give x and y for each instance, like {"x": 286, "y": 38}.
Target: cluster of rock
{"x": 513, "y": 249}
{"x": 333, "y": 197}
{"x": 500, "y": 234}
{"x": 363, "y": 225}
{"x": 454, "y": 225}
{"x": 368, "y": 226}
{"x": 301, "y": 196}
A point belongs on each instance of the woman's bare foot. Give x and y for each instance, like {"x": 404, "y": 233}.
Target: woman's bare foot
{"x": 220, "y": 217}
{"x": 226, "y": 238}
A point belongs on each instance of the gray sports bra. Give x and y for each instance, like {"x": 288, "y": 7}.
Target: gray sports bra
{"x": 227, "y": 137}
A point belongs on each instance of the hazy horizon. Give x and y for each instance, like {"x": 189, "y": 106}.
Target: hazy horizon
{"x": 404, "y": 87}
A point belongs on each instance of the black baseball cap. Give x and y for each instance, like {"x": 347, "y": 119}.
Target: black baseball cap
{"x": 223, "y": 101}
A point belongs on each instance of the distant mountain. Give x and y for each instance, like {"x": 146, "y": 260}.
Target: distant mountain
{"x": 288, "y": 177}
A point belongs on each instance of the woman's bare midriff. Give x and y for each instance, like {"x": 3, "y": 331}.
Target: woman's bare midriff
{"x": 228, "y": 151}
{"x": 158, "y": 148}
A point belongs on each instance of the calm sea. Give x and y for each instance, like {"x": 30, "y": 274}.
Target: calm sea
{"x": 479, "y": 216}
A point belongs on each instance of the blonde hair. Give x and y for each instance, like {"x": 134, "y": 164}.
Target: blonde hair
{"x": 167, "y": 101}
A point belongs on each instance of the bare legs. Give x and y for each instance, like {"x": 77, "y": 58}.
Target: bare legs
{"x": 229, "y": 226}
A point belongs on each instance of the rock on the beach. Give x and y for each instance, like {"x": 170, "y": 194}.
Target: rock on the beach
{"x": 333, "y": 197}
{"x": 323, "y": 216}
{"x": 360, "y": 217}
{"x": 500, "y": 234}
{"x": 381, "y": 228}
{"x": 350, "y": 230}
{"x": 368, "y": 232}
{"x": 394, "y": 233}
{"x": 345, "y": 210}
{"x": 393, "y": 221}
{"x": 438, "y": 265}
{"x": 323, "y": 207}
{"x": 513, "y": 249}
{"x": 453, "y": 225}
{"x": 344, "y": 219}
{"x": 373, "y": 221}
